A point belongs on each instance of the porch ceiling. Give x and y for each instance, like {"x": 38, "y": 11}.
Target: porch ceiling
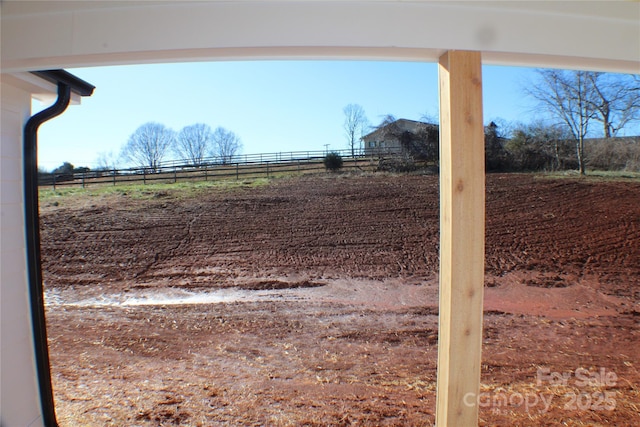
{"x": 600, "y": 35}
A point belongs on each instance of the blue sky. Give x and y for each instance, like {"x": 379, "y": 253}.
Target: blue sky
{"x": 273, "y": 106}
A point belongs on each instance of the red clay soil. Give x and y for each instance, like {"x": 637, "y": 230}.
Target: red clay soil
{"x": 322, "y": 303}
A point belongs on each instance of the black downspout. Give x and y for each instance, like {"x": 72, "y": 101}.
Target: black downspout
{"x": 34, "y": 270}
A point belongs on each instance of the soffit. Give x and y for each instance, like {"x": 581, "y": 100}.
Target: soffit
{"x": 602, "y": 35}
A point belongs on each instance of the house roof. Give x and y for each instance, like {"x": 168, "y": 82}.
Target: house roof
{"x": 397, "y": 127}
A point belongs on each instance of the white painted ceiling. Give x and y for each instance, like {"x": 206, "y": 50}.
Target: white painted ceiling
{"x": 598, "y": 35}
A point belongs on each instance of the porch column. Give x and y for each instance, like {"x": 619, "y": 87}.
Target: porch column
{"x": 462, "y": 193}
{"x": 20, "y": 404}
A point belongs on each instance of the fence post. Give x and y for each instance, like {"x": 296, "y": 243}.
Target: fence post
{"x": 237, "y": 171}
{"x": 83, "y": 179}
{"x": 114, "y": 177}
{"x": 144, "y": 176}
{"x": 206, "y": 170}
{"x": 267, "y": 170}
{"x": 54, "y": 181}
{"x": 175, "y": 175}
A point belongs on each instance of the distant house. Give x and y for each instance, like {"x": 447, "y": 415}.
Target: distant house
{"x": 403, "y": 137}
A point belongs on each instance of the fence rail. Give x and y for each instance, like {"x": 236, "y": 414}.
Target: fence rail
{"x": 238, "y": 167}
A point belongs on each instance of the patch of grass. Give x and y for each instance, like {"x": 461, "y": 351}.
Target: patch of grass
{"x": 149, "y": 191}
{"x": 594, "y": 176}
{"x": 614, "y": 175}
{"x": 50, "y": 195}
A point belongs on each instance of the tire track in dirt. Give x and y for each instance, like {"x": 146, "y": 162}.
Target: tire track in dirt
{"x": 554, "y": 247}
{"x": 373, "y": 226}
{"x": 568, "y": 225}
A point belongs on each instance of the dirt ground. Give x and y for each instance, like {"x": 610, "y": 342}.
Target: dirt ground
{"x": 313, "y": 301}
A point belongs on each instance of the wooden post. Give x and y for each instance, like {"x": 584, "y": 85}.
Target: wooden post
{"x": 462, "y": 194}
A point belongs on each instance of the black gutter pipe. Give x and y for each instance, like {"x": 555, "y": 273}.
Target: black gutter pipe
{"x": 77, "y": 85}
{"x": 32, "y": 222}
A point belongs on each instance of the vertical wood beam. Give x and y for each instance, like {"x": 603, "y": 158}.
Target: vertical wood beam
{"x": 462, "y": 198}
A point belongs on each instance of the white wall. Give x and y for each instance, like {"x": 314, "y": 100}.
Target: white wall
{"x": 19, "y": 402}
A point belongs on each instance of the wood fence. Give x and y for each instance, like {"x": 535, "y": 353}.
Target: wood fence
{"x": 240, "y": 167}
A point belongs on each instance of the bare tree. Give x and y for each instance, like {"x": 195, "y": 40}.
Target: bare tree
{"x": 106, "y": 161}
{"x": 568, "y": 97}
{"x": 226, "y": 145}
{"x": 355, "y": 124}
{"x": 193, "y": 142}
{"x": 148, "y": 145}
{"x": 386, "y": 120}
{"x": 385, "y": 128}
{"x": 539, "y": 145}
{"x": 428, "y": 117}
{"x": 615, "y": 99}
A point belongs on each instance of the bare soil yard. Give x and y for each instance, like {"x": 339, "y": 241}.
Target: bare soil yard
{"x": 313, "y": 301}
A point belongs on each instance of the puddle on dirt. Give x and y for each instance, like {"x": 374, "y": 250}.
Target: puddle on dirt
{"x": 386, "y": 294}
{"x": 169, "y": 296}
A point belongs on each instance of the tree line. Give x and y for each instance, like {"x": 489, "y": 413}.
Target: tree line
{"x": 575, "y": 100}
{"x": 569, "y": 104}
{"x": 149, "y": 145}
